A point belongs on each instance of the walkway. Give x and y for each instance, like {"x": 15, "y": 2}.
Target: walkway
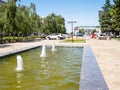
{"x": 10, "y": 47}
{"x": 107, "y": 53}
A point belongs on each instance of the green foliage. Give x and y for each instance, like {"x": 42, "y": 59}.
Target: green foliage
{"x": 81, "y": 31}
{"x": 110, "y": 19}
{"x": 3, "y": 17}
{"x": 116, "y": 15}
{"x": 54, "y": 24}
{"x": 105, "y": 18}
{"x": 19, "y": 20}
{"x": 23, "y": 21}
{"x": 19, "y": 39}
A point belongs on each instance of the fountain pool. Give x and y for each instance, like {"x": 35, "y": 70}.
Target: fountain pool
{"x": 59, "y": 70}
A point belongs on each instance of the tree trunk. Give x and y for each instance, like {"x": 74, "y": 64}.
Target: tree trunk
{"x": 1, "y": 38}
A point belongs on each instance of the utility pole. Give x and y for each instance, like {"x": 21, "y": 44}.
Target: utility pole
{"x": 71, "y": 22}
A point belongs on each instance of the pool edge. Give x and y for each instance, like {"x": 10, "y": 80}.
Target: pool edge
{"x": 17, "y": 51}
{"x": 91, "y": 77}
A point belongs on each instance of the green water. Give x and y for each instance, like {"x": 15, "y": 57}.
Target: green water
{"x": 58, "y": 71}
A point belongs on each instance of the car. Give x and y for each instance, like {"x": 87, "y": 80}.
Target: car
{"x": 79, "y": 35}
{"x": 93, "y": 35}
{"x": 55, "y": 36}
{"x": 103, "y": 37}
{"x": 66, "y": 35}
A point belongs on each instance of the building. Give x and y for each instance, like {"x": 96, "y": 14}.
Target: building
{"x": 1, "y": 2}
{"x": 87, "y": 29}
{"x": 100, "y": 13}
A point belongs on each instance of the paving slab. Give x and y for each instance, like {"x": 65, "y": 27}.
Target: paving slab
{"x": 107, "y": 53}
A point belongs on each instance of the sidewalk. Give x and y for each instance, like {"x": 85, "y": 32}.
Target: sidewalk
{"x": 107, "y": 53}
{"x": 10, "y": 47}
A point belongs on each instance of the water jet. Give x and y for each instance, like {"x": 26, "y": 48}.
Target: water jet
{"x": 19, "y": 63}
{"x": 53, "y": 48}
{"x": 43, "y": 52}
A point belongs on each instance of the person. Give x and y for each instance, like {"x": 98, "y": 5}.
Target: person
{"x": 93, "y": 35}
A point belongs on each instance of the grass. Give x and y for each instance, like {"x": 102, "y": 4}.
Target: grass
{"x": 76, "y": 40}
{"x": 117, "y": 39}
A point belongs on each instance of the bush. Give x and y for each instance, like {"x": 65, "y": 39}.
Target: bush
{"x": 19, "y": 39}
{"x": 8, "y": 39}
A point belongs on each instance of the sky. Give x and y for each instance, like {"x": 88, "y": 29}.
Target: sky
{"x": 85, "y": 12}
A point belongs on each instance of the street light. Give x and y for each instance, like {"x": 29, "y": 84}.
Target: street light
{"x": 71, "y": 22}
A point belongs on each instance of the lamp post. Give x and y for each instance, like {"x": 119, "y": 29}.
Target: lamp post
{"x": 71, "y": 22}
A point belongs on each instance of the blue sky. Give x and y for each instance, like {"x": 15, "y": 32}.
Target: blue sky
{"x": 85, "y": 12}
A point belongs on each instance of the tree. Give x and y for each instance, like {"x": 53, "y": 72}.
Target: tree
{"x": 81, "y": 31}
{"x": 11, "y": 14}
{"x": 2, "y": 17}
{"x": 60, "y": 24}
{"x": 2, "y": 20}
{"x": 35, "y": 20}
{"x": 24, "y": 21}
{"x": 116, "y": 15}
{"x": 27, "y": 21}
{"x": 54, "y": 24}
{"x": 105, "y": 18}
{"x": 20, "y": 20}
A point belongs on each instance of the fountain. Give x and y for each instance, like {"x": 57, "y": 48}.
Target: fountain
{"x": 43, "y": 52}
{"x": 19, "y": 63}
{"x": 53, "y": 48}
{"x": 57, "y": 67}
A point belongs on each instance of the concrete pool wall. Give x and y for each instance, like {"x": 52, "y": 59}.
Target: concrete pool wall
{"x": 17, "y": 51}
{"x": 91, "y": 76}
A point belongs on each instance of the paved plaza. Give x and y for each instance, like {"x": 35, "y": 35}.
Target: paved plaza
{"x": 107, "y": 53}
